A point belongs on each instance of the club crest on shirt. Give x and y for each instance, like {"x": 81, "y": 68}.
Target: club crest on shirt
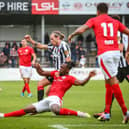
{"x": 26, "y": 50}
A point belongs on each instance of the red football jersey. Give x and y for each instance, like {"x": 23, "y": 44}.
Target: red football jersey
{"x": 25, "y": 55}
{"x": 60, "y": 84}
{"x": 105, "y": 29}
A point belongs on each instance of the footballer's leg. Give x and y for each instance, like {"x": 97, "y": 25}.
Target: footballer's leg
{"x": 41, "y": 84}
{"x": 108, "y": 102}
{"x": 27, "y": 80}
{"x": 55, "y": 108}
{"x": 21, "y": 112}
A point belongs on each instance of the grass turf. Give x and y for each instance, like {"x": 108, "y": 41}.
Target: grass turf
{"x": 88, "y": 99}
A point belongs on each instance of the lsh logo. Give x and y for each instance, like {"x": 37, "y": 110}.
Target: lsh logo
{"x": 45, "y": 7}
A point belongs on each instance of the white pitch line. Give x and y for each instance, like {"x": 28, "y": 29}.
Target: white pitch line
{"x": 58, "y": 126}
{"x": 92, "y": 125}
{"x": 63, "y": 126}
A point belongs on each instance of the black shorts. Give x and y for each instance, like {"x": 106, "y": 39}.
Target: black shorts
{"x": 50, "y": 78}
{"x": 123, "y": 73}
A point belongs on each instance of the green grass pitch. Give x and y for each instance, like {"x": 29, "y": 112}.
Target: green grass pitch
{"x": 88, "y": 99}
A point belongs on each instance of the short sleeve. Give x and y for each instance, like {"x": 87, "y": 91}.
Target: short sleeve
{"x": 52, "y": 74}
{"x": 32, "y": 50}
{"x": 65, "y": 46}
{"x": 72, "y": 80}
{"x": 90, "y": 23}
{"x": 121, "y": 27}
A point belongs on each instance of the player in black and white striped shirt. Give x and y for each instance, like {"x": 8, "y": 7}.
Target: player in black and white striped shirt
{"x": 60, "y": 54}
{"x": 123, "y": 69}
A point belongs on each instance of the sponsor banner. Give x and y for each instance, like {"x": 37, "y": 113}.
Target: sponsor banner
{"x": 88, "y": 7}
{"x": 80, "y": 73}
{"x": 45, "y": 7}
{"x": 15, "y": 6}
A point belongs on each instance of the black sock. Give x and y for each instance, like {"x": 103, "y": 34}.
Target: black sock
{"x": 40, "y": 94}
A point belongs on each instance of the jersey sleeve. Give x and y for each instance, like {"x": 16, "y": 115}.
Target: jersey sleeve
{"x": 65, "y": 47}
{"x": 72, "y": 80}
{"x": 90, "y": 23}
{"x": 121, "y": 27}
{"x": 32, "y": 50}
{"x": 53, "y": 73}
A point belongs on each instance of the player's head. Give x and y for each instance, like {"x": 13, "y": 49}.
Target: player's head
{"x": 65, "y": 67}
{"x": 102, "y": 8}
{"x": 56, "y": 37}
{"x": 24, "y": 42}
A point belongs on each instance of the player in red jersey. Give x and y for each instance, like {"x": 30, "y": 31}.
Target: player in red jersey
{"x": 25, "y": 54}
{"x": 106, "y": 29}
{"x": 61, "y": 84}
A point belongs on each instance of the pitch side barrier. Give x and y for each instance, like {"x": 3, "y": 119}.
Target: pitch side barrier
{"x": 13, "y": 74}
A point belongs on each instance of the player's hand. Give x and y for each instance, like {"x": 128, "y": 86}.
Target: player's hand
{"x": 69, "y": 38}
{"x": 33, "y": 63}
{"x": 92, "y": 73}
{"x": 28, "y": 38}
{"x": 36, "y": 65}
{"x": 127, "y": 57}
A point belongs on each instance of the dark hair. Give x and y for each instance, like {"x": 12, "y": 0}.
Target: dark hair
{"x": 102, "y": 7}
{"x": 70, "y": 64}
{"x": 58, "y": 34}
{"x": 116, "y": 17}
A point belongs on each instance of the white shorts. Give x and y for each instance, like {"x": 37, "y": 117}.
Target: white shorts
{"x": 109, "y": 62}
{"x": 45, "y": 104}
{"x": 26, "y": 72}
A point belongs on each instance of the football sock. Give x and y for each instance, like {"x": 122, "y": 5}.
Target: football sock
{"x": 27, "y": 88}
{"x": 119, "y": 97}
{"x": 108, "y": 98}
{"x": 24, "y": 88}
{"x": 64, "y": 111}
{"x": 15, "y": 113}
{"x": 40, "y": 93}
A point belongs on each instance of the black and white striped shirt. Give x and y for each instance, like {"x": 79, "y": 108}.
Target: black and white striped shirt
{"x": 58, "y": 53}
{"x": 123, "y": 63}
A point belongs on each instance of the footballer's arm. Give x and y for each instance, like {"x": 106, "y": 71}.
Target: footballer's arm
{"x": 34, "y": 58}
{"x": 36, "y": 44}
{"x": 83, "y": 82}
{"x": 40, "y": 71}
{"x": 79, "y": 30}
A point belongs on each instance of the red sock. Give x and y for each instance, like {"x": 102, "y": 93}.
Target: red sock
{"x": 15, "y": 113}
{"x": 108, "y": 98}
{"x": 40, "y": 88}
{"x": 24, "y": 88}
{"x": 119, "y": 97}
{"x": 27, "y": 88}
{"x": 64, "y": 111}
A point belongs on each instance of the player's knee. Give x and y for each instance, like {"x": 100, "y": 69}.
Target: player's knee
{"x": 55, "y": 109}
{"x": 30, "y": 109}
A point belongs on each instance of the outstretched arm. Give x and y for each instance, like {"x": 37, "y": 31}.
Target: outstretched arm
{"x": 79, "y": 30}
{"x": 83, "y": 82}
{"x": 36, "y": 44}
{"x": 41, "y": 71}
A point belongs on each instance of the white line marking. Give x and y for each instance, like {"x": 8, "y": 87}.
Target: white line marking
{"x": 63, "y": 126}
{"x": 92, "y": 125}
{"x": 58, "y": 126}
